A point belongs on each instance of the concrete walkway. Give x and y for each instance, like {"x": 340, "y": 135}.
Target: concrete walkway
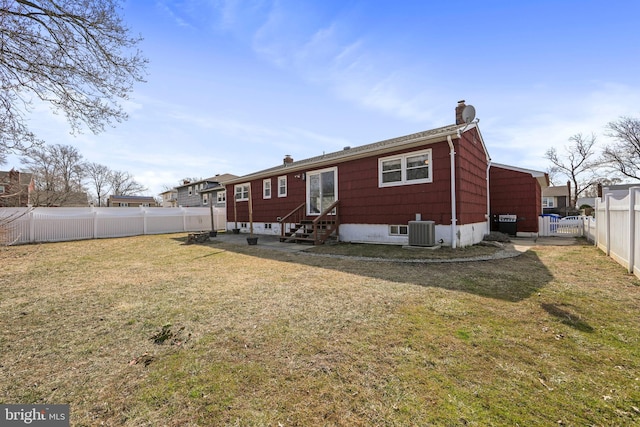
{"x": 516, "y": 247}
{"x": 264, "y": 241}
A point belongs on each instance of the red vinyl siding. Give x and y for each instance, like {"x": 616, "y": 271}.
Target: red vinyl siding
{"x": 362, "y": 201}
{"x": 471, "y": 179}
{"x": 517, "y": 193}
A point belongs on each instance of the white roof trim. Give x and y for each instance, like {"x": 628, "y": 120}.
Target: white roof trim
{"x": 540, "y": 176}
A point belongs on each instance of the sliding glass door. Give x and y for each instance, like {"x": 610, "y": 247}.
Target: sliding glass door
{"x": 322, "y": 190}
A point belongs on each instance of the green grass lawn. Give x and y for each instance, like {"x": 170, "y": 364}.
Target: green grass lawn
{"x": 147, "y": 331}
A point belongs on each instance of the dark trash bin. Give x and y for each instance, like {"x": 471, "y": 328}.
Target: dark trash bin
{"x": 508, "y": 224}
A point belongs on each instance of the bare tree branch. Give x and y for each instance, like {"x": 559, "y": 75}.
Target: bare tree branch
{"x": 577, "y": 163}
{"x": 624, "y": 154}
{"x": 123, "y": 184}
{"x": 76, "y": 55}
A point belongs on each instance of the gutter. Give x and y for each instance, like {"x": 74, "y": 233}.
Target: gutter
{"x": 452, "y": 156}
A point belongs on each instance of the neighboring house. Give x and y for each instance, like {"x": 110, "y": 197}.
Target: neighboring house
{"x": 169, "y": 198}
{"x": 131, "y": 201}
{"x": 376, "y": 190}
{"x": 200, "y": 193}
{"x": 557, "y": 200}
{"x": 57, "y": 199}
{"x": 616, "y": 190}
{"x": 516, "y": 191}
{"x": 16, "y": 188}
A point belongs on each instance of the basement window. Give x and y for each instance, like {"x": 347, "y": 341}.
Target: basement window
{"x": 398, "y": 230}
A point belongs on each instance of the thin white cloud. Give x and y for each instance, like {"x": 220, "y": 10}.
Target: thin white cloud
{"x": 167, "y": 10}
{"x": 525, "y": 131}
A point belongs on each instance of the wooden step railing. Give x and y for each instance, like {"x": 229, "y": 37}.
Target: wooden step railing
{"x": 326, "y": 225}
{"x": 289, "y": 221}
{"x": 296, "y": 227}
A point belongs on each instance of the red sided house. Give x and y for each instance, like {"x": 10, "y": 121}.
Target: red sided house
{"x": 423, "y": 189}
{"x": 516, "y": 193}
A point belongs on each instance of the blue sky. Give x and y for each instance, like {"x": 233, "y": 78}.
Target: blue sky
{"x": 235, "y": 85}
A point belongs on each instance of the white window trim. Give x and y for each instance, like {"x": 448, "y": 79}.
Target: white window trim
{"x": 280, "y": 187}
{"x": 266, "y": 188}
{"x": 399, "y": 228}
{"x": 403, "y": 169}
{"x": 243, "y": 196}
{"x": 222, "y": 196}
{"x": 546, "y": 200}
{"x": 308, "y": 185}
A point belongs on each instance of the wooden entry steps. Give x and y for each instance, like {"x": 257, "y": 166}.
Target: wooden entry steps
{"x": 306, "y": 231}
{"x": 296, "y": 227}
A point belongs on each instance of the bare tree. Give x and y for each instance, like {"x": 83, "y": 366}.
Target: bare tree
{"x": 123, "y": 184}
{"x": 99, "y": 179}
{"x": 624, "y": 154}
{"x": 57, "y": 171}
{"x": 77, "y": 56}
{"x": 577, "y": 163}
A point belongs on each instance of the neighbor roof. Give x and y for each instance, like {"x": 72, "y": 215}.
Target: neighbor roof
{"x": 561, "y": 190}
{"x": 218, "y": 178}
{"x": 25, "y": 177}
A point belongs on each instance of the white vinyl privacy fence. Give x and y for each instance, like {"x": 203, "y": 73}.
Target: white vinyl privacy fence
{"x": 24, "y": 225}
{"x": 618, "y": 228}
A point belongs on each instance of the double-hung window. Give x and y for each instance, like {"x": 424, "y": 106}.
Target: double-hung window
{"x": 266, "y": 188}
{"x": 282, "y": 186}
{"x": 548, "y": 202}
{"x": 242, "y": 192}
{"x": 221, "y": 197}
{"x": 405, "y": 169}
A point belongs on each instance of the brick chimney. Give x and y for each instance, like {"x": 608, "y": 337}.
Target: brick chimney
{"x": 287, "y": 159}
{"x": 459, "y": 109}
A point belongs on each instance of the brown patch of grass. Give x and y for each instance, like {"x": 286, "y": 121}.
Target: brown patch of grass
{"x": 257, "y": 337}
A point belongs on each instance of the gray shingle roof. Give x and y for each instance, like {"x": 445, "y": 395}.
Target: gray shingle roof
{"x": 348, "y": 153}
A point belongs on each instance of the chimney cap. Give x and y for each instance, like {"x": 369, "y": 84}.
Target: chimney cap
{"x": 461, "y": 101}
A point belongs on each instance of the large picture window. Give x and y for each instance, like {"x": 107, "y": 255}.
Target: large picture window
{"x": 405, "y": 169}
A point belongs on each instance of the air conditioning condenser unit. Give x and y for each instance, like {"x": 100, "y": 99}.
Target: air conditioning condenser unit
{"x": 422, "y": 233}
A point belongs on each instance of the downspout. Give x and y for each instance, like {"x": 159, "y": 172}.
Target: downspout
{"x": 488, "y": 198}
{"x": 452, "y": 156}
